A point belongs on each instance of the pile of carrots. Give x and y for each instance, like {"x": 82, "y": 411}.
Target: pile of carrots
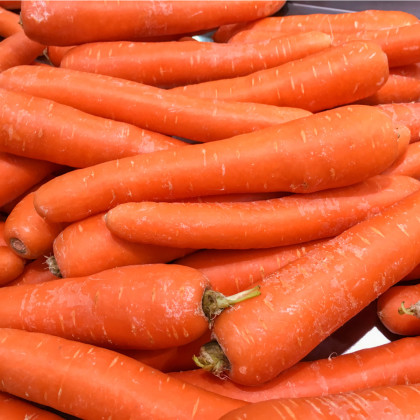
{"x": 194, "y": 197}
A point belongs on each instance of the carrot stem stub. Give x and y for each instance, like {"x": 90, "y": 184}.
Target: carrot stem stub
{"x": 413, "y": 310}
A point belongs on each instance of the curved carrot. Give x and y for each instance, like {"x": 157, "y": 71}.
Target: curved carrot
{"x": 65, "y": 135}
{"x": 399, "y": 402}
{"x": 408, "y": 163}
{"x": 304, "y": 155}
{"x": 114, "y": 385}
{"x": 323, "y": 80}
{"x": 146, "y": 106}
{"x": 169, "y": 64}
{"x": 88, "y": 246}
{"x": 9, "y": 22}
{"x": 288, "y": 220}
{"x": 315, "y": 294}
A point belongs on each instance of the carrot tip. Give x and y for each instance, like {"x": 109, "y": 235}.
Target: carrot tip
{"x": 18, "y": 246}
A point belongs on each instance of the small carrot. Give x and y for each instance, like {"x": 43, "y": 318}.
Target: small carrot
{"x": 88, "y": 246}
{"x": 323, "y": 80}
{"x": 305, "y": 301}
{"x": 9, "y": 22}
{"x": 398, "y": 402}
{"x": 169, "y": 64}
{"x": 408, "y": 163}
{"x": 146, "y": 106}
{"x": 114, "y": 385}
{"x": 304, "y": 155}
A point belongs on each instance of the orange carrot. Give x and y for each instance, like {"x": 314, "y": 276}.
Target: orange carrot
{"x": 64, "y": 135}
{"x": 283, "y": 221}
{"x": 408, "y": 163}
{"x": 57, "y": 23}
{"x": 315, "y": 294}
{"x": 169, "y": 64}
{"x": 399, "y": 402}
{"x": 9, "y": 23}
{"x": 414, "y": 274}
{"x": 393, "y": 363}
{"x": 11, "y": 4}
{"x": 323, "y": 80}
{"x": 114, "y": 385}
{"x": 146, "y": 106}
{"x": 304, "y": 155}
{"x": 11, "y": 265}
{"x": 55, "y": 54}
{"x": 88, "y": 246}
{"x": 252, "y": 35}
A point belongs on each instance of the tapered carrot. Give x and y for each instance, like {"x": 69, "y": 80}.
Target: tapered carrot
{"x": 146, "y": 106}
{"x": 329, "y": 78}
{"x": 9, "y": 23}
{"x": 304, "y": 155}
{"x": 75, "y": 22}
{"x": 65, "y": 135}
{"x": 399, "y": 402}
{"x": 169, "y": 64}
{"x": 408, "y": 163}
{"x": 393, "y": 363}
{"x": 88, "y": 246}
{"x": 288, "y": 220}
{"x": 114, "y": 385}
{"x": 305, "y": 301}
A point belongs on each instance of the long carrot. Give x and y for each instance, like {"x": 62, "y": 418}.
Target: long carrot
{"x": 304, "y": 155}
{"x": 88, "y": 246}
{"x": 399, "y": 402}
{"x": 145, "y": 106}
{"x": 114, "y": 385}
{"x": 323, "y": 80}
{"x": 393, "y": 363}
{"x": 408, "y": 163}
{"x": 65, "y": 135}
{"x": 305, "y": 301}
{"x": 169, "y": 64}
{"x": 9, "y": 23}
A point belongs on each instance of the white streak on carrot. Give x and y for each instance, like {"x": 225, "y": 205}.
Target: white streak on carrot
{"x": 195, "y": 408}
{"x": 377, "y": 231}
{"x": 114, "y": 361}
{"x": 402, "y": 229}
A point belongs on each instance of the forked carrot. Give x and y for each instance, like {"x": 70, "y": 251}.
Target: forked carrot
{"x": 9, "y": 22}
{"x": 304, "y": 155}
{"x": 323, "y": 80}
{"x": 114, "y": 385}
{"x": 408, "y": 163}
{"x": 315, "y": 294}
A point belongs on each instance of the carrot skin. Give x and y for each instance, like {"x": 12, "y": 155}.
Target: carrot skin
{"x": 11, "y": 265}
{"x": 55, "y": 53}
{"x": 114, "y": 385}
{"x": 9, "y": 23}
{"x": 408, "y": 163}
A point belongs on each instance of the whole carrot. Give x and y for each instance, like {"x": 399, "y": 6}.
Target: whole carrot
{"x": 399, "y": 402}
{"x": 169, "y": 64}
{"x": 114, "y": 385}
{"x": 9, "y": 23}
{"x": 288, "y": 220}
{"x": 323, "y": 80}
{"x": 305, "y": 301}
{"x": 304, "y": 155}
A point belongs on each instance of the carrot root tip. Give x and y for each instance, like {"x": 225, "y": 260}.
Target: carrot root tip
{"x": 213, "y": 359}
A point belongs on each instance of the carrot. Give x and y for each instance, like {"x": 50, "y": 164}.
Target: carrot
{"x": 323, "y": 80}
{"x": 19, "y": 174}
{"x": 398, "y": 309}
{"x": 55, "y": 54}
{"x": 114, "y": 385}
{"x": 72, "y": 23}
{"x": 146, "y": 106}
{"x": 399, "y": 402}
{"x": 88, "y": 246}
{"x": 27, "y": 233}
{"x": 283, "y": 221}
{"x": 414, "y": 274}
{"x": 11, "y": 4}
{"x": 393, "y": 363}
{"x": 18, "y": 49}
{"x": 408, "y": 163}
{"x": 9, "y": 23}
{"x": 313, "y": 157}
{"x": 169, "y": 64}
{"x": 251, "y": 35}
{"x": 329, "y": 23}
{"x": 64, "y": 135}
{"x": 316, "y": 294}
{"x": 150, "y": 306}
{"x": 11, "y": 265}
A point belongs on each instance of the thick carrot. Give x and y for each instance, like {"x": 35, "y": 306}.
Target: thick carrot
{"x": 58, "y": 133}
{"x": 114, "y": 385}
{"x": 27, "y": 233}
{"x": 150, "y": 306}
{"x": 283, "y": 221}
{"x": 19, "y": 174}
{"x": 169, "y": 64}
{"x": 88, "y": 246}
{"x": 398, "y": 402}
{"x": 328, "y": 23}
{"x": 393, "y": 363}
{"x": 398, "y": 309}
{"x": 408, "y": 163}
{"x": 323, "y": 80}
{"x": 9, "y": 23}
{"x": 305, "y": 301}
{"x": 146, "y": 106}
{"x": 304, "y": 155}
